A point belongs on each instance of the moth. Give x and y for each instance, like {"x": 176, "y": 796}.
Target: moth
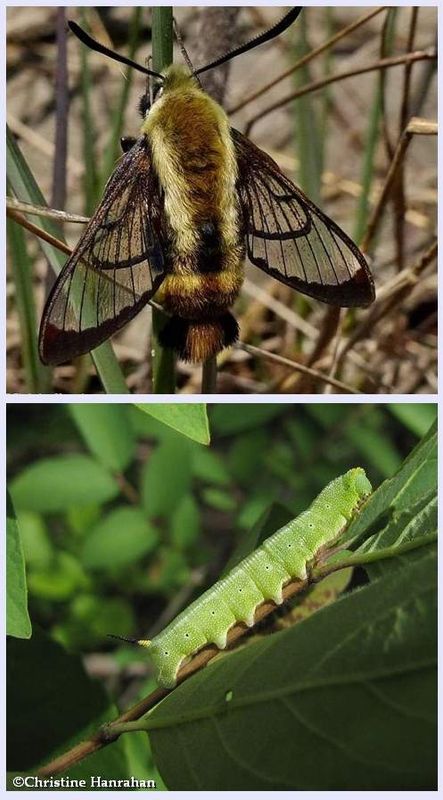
{"x": 189, "y": 199}
{"x": 260, "y": 576}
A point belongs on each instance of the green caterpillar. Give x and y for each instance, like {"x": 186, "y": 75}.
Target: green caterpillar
{"x": 258, "y": 577}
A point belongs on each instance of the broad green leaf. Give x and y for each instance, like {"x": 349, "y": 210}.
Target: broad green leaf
{"x": 140, "y": 761}
{"x": 415, "y": 478}
{"x": 66, "y": 704}
{"x": 166, "y": 478}
{"x": 122, "y": 537}
{"x": 344, "y": 700}
{"x": 107, "y": 431}
{"x": 412, "y": 524}
{"x": 55, "y": 484}
{"x": 18, "y": 622}
{"x": 189, "y": 419}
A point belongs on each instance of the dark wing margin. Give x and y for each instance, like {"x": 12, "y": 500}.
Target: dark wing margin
{"x": 116, "y": 267}
{"x": 288, "y": 237}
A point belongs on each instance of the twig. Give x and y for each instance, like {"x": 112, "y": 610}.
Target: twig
{"x": 387, "y": 297}
{"x": 40, "y": 232}
{"x": 305, "y": 59}
{"x": 44, "y": 211}
{"x": 385, "y": 63}
{"x": 127, "y": 489}
{"x": 286, "y": 362}
{"x": 417, "y": 126}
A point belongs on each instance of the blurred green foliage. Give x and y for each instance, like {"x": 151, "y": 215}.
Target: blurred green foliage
{"x": 119, "y": 512}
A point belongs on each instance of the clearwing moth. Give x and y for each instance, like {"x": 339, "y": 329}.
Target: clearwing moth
{"x": 260, "y": 576}
{"x": 188, "y": 200}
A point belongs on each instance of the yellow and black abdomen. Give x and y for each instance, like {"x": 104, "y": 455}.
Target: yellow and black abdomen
{"x": 193, "y": 155}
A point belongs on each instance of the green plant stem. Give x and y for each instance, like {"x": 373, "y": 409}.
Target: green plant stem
{"x": 163, "y": 360}
{"x": 372, "y": 136}
{"x": 36, "y": 374}
{"x": 209, "y": 375}
{"x": 360, "y": 559}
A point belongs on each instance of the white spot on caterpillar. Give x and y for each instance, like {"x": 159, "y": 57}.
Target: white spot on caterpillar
{"x": 228, "y": 696}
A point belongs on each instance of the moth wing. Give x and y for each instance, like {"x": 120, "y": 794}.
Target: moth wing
{"x": 116, "y": 267}
{"x": 288, "y": 237}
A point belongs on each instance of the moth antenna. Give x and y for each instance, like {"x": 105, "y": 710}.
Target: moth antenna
{"x": 140, "y": 642}
{"x": 266, "y": 36}
{"x": 182, "y": 47}
{"x": 100, "y": 48}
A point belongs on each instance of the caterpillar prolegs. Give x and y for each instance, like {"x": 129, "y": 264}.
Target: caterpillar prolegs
{"x": 258, "y": 577}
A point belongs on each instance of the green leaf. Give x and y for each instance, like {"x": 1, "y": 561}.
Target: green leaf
{"x": 185, "y": 523}
{"x": 416, "y": 522}
{"x": 60, "y": 581}
{"x": 217, "y": 498}
{"x": 374, "y": 447}
{"x": 107, "y": 431}
{"x": 18, "y": 622}
{"x": 54, "y": 484}
{"x": 417, "y": 417}
{"x": 166, "y": 478}
{"x": 209, "y": 467}
{"x": 92, "y": 619}
{"x": 189, "y": 419}
{"x": 320, "y": 594}
{"x": 247, "y": 456}
{"x": 415, "y": 479}
{"x": 66, "y": 705}
{"x": 344, "y": 700}
{"x": 121, "y": 538}
{"x": 37, "y": 545}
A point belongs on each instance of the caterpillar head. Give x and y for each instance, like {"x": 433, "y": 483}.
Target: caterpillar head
{"x": 355, "y": 481}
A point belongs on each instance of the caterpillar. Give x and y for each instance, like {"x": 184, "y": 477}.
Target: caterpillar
{"x": 260, "y": 576}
